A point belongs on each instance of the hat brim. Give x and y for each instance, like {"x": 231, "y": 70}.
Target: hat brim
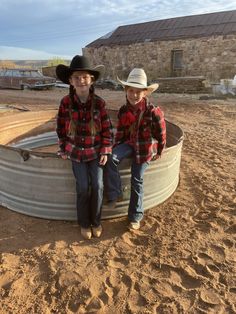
{"x": 150, "y": 89}
{"x": 64, "y": 72}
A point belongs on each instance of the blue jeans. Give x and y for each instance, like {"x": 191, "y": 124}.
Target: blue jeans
{"x": 89, "y": 189}
{"x": 113, "y": 181}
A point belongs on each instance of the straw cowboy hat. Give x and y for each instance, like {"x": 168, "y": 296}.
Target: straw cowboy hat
{"x": 78, "y": 63}
{"x": 138, "y": 79}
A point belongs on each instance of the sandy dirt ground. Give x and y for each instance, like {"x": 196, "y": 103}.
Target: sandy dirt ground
{"x": 182, "y": 260}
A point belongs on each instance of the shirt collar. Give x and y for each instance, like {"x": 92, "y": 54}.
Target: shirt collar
{"x": 88, "y": 102}
{"x": 141, "y": 106}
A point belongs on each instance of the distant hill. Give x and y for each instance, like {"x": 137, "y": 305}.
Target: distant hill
{"x": 34, "y": 64}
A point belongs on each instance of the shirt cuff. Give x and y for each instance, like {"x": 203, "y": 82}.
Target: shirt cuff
{"x": 106, "y": 151}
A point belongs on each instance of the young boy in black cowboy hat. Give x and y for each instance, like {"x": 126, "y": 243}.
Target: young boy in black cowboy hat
{"x": 141, "y": 134}
{"x": 85, "y": 137}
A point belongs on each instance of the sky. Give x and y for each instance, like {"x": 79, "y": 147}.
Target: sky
{"x": 47, "y": 29}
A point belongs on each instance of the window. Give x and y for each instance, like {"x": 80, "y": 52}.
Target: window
{"x": 177, "y": 62}
{"x": 25, "y": 73}
{"x": 177, "y": 59}
{"x": 8, "y": 73}
{"x": 16, "y": 73}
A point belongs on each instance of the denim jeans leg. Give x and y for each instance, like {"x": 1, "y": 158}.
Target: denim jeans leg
{"x": 112, "y": 176}
{"x": 81, "y": 174}
{"x": 96, "y": 176}
{"x": 136, "y": 210}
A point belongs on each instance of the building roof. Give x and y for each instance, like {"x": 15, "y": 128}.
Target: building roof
{"x": 203, "y": 25}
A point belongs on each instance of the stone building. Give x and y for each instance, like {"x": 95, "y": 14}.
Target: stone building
{"x": 190, "y": 46}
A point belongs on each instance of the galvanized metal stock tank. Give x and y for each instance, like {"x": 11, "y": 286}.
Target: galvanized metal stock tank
{"x": 40, "y": 184}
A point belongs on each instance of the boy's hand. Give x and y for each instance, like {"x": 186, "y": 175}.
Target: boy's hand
{"x": 103, "y": 160}
{"x": 64, "y": 156}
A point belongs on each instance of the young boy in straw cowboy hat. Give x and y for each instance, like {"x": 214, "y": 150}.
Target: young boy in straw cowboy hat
{"x": 141, "y": 134}
{"x": 85, "y": 137}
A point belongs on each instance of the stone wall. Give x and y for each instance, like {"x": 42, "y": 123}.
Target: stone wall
{"x": 187, "y": 84}
{"x": 49, "y": 71}
{"x": 211, "y": 57}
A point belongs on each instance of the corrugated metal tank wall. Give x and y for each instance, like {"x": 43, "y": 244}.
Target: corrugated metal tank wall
{"x": 41, "y": 184}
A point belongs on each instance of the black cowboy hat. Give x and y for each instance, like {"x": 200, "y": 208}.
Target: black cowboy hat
{"x": 78, "y": 63}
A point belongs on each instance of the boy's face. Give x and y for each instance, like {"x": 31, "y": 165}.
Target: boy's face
{"x": 135, "y": 95}
{"x": 81, "y": 81}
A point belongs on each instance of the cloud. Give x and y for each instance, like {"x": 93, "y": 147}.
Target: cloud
{"x": 66, "y": 26}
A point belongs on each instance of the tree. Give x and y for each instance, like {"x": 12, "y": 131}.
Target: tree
{"x": 7, "y": 64}
{"x": 55, "y": 61}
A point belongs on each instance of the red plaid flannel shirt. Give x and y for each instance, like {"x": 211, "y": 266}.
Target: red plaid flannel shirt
{"x": 84, "y": 146}
{"x": 144, "y": 129}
